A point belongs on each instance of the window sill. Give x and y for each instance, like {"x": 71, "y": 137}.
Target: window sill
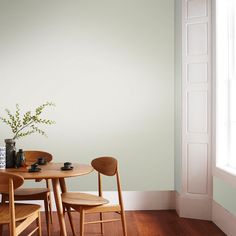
{"x": 228, "y": 174}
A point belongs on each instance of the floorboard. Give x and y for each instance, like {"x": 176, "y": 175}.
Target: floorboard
{"x": 140, "y": 223}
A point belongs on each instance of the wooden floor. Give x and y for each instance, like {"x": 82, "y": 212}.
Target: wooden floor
{"x": 142, "y": 223}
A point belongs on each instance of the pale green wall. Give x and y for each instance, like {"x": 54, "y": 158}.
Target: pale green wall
{"x": 224, "y": 194}
{"x": 178, "y": 92}
{"x": 109, "y": 67}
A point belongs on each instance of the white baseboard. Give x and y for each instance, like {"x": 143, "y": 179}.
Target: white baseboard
{"x": 147, "y": 200}
{"x": 189, "y": 206}
{"x": 225, "y": 220}
{"x": 134, "y": 200}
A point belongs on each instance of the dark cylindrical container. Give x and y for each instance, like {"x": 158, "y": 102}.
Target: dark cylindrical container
{"x": 10, "y": 153}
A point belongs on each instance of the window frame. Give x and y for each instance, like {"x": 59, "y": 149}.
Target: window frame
{"x": 222, "y": 171}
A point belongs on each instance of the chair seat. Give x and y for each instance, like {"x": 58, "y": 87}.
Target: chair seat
{"x": 22, "y": 211}
{"x": 83, "y": 199}
{"x": 29, "y": 194}
{"x": 30, "y": 191}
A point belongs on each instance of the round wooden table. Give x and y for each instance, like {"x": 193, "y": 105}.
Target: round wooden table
{"x": 53, "y": 171}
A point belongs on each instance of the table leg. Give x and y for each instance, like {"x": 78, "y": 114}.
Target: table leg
{"x": 63, "y": 185}
{"x": 57, "y": 196}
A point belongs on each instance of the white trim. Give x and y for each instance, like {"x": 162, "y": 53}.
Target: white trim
{"x": 225, "y": 220}
{"x": 224, "y": 175}
{"x": 213, "y": 120}
{"x": 133, "y": 200}
{"x": 193, "y": 206}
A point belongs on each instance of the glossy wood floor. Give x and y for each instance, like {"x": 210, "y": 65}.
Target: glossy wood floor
{"x": 143, "y": 223}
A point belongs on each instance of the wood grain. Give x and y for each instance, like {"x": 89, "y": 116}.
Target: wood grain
{"x": 32, "y": 156}
{"x": 105, "y": 165}
{"x": 43, "y": 194}
{"x": 83, "y": 199}
{"x": 51, "y": 170}
{"x": 87, "y": 203}
{"x": 10, "y": 213}
{"x": 22, "y": 211}
{"x": 140, "y": 223}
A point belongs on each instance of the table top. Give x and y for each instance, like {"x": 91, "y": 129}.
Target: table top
{"x": 51, "y": 171}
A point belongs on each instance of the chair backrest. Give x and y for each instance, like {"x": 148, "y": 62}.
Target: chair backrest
{"x": 5, "y": 181}
{"x": 9, "y": 182}
{"x": 105, "y": 165}
{"x": 32, "y": 156}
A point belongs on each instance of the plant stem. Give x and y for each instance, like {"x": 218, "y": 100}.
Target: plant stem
{"x": 15, "y": 136}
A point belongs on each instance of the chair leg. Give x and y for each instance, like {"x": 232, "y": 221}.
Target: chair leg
{"x": 47, "y": 216}
{"x": 49, "y": 199}
{"x": 1, "y": 229}
{"x": 123, "y": 223}
{"x": 70, "y": 220}
{"x": 50, "y": 206}
{"x": 81, "y": 222}
{"x": 39, "y": 224}
{"x": 3, "y": 199}
{"x": 102, "y": 225}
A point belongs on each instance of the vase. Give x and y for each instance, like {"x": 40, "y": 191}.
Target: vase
{"x": 20, "y": 159}
{"x": 10, "y": 153}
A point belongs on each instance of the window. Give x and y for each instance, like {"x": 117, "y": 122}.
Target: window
{"x": 225, "y": 68}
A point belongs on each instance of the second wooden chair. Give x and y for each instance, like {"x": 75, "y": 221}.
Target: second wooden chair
{"x": 88, "y": 203}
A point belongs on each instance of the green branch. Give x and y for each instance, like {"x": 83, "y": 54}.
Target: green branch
{"x": 25, "y": 125}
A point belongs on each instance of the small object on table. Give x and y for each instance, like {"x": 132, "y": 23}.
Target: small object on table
{"x": 67, "y": 166}
{"x": 20, "y": 159}
{"x": 2, "y": 157}
{"x": 10, "y": 153}
{"x": 34, "y": 168}
{"x": 42, "y": 161}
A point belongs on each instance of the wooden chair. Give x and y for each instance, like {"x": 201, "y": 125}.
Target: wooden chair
{"x": 25, "y": 194}
{"x": 88, "y": 203}
{"x": 17, "y": 216}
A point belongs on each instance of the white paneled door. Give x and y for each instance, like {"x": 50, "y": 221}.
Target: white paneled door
{"x": 196, "y": 191}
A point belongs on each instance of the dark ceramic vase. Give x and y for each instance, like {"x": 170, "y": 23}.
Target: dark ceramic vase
{"x": 20, "y": 159}
{"x": 10, "y": 153}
